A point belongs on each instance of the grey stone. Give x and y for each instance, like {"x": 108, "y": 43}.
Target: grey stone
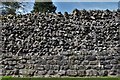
{"x": 20, "y": 66}
{"x": 51, "y": 72}
{"x": 91, "y": 73}
{"x": 109, "y": 57}
{"x": 91, "y": 58}
{"x": 113, "y": 72}
{"x": 93, "y": 62}
{"x": 47, "y": 67}
{"x": 62, "y": 72}
{"x": 105, "y": 73}
{"x": 65, "y": 67}
{"x": 66, "y": 53}
{"x": 117, "y": 66}
{"x": 71, "y": 72}
{"x": 84, "y": 43}
{"x": 108, "y": 67}
{"x": 39, "y": 67}
{"x": 49, "y": 57}
{"x": 58, "y": 57}
{"x": 23, "y": 61}
{"x": 104, "y": 62}
{"x": 114, "y": 61}
{"x": 85, "y": 62}
{"x": 81, "y": 73}
{"x": 41, "y": 72}
{"x": 17, "y": 72}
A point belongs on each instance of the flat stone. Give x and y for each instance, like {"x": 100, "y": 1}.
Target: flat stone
{"x": 62, "y": 72}
{"x": 81, "y": 73}
{"x": 42, "y": 72}
{"x": 71, "y": 72}
{"x": 85, "y": 62}
{"x": 114, "y": 61}
{"x": 108, "y": 67}
{"x": 91, "y": 58}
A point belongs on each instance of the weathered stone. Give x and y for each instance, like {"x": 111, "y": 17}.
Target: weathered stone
{"x": 58, "y": 57}
{"x": 84, "y": 43}
{"x": 39, "y": 67}
{"x": 49, "y": 57}
{"x": 93, "y": 62}
{"x": 65, "y": 67}
{"x": 91, "y": 73}
{"x": 117, "y": 66}
{"x": 105, "y": 73}
{"x": 23, "y": 61}
{"x": 85, "y": 62}
{"x": 71, "y": 72}
{"x": 109, "y": 57}
{"x": 20, "y": 66}
{"x": 9, "y": 73}
{"x": 7, "y": 67}
{"x": 113, "y": 72}
{"x": 23, "y": 71}
{"x": 81, "y": 73}
{"x": 66, "y": 53}
{"x": 51, "y": 72}
{"x": 108, "y": 67}
{"x": 47, "y": 67}
{"x": 104, "y": 62}
{"x": 114, "y": 61}
{"x": 31, "y": 72}
{"x": 16, "y": 72}
{"x": 62, "y": 72}
{"x": 91, "y": 58}
{"x": 42, "y": 72}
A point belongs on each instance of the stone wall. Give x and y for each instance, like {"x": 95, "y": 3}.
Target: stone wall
{"x": 83, "y": 43}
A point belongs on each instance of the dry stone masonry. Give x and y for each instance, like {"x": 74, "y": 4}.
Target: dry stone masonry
{"x": 83, "y": 43}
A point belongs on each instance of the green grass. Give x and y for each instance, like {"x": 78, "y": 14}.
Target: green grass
{"x": 65, "y": 78}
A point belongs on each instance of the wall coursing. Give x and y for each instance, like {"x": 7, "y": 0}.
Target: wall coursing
{"x": 83, "y": 43}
